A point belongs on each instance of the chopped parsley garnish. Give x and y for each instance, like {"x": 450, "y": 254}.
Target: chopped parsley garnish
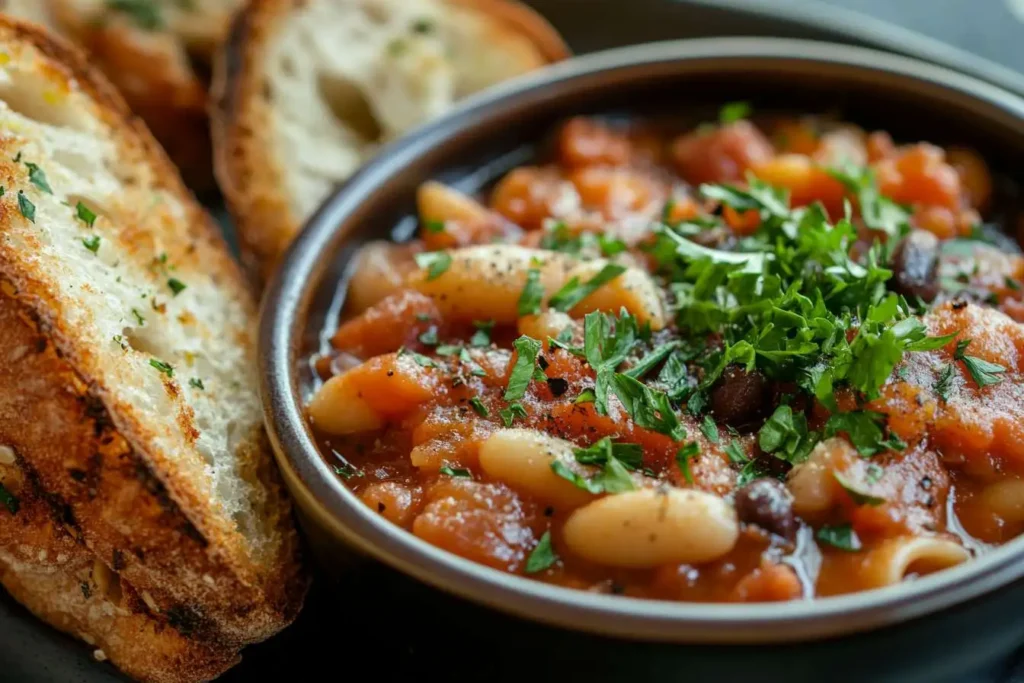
{"x": 856, "y": 494}
{"x": 92, "y": 243}
{"x": 176, "y": 286}
{"x": 163, "y": 367}
{"x": 683, "y": 457}
{"x": 196, "y": 383}
{"x": 423, "y": 25}
{"x": 346, "y": 471}
{"x": 527, "y": 349}
{"x": 434, "y": 262}
{"x": 982, "y": 372}
{"x": 434, "y": 226}
{"x": 532, "y": 294}
{"x": 586, "y": 396}
{"x": 138, "y": 316}
{"x": 37, "y": 177}
{"x": 85, "y": 214}
{"x": 479, "y": 406}
{"x": 734, "y": 111}
{"x": 842, "y": 537}
{"x": 457, "y": 472}
{"x": 607, "y": 341}
{"x": 509, "y": 415}
{"x": 944, "y": 384}
{"x": 27, "y": 208}
{"x": 9, "y": 500}
{"x": 864, "y": 429}
{"x": 710, "y": 430}
{"x": 615, "y": 459}
{"x": 649, "y": 408}
{"x": 482, "y": 337}
{"x": 429, "y": 337}
{"x": 652, "y": 360}
{"x": 419, "y": 358}
{"x": 542, "y": 556}
{"x": 735, "y": 453}
{"x": 785, "y": 435}
{"x": 574, "y": 292}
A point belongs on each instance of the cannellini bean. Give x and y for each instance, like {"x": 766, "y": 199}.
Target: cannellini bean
{"x": 522, "y": 458}
{"x": 634, "y": 290}
{"x": 813, "y": 483}
{"x": 380, "y": 272}
{"x": 549, "y": 323}
{"x": 486, "y": 281}
{"x": 438, "y": 202}
{"x": 338, "y": 408}
{"x": 651, "y": 527}
{"x": 1005, "y": 499}
{"x": 891, "y": 561}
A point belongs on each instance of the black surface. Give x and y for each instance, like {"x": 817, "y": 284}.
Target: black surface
{"x": 367, "y": 626}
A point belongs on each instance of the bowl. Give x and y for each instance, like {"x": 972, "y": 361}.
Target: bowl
{"x": 976, "y": 604}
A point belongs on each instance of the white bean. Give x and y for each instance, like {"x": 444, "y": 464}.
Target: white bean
{"x": 1006, "y": 499}
{"x": 523, "y": 458}
{"x": 891, "y": 561}
{"x": 338, "y": 408}
{"x": 380, "y": 271}
{"x": 485, "y": 282}
{"x": 438, "y": 202}
{"x": 813, "y": 483}
{"x": 650, "y": 527}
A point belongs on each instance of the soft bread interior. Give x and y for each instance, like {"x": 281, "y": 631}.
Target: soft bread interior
{"x": 139, "y": 300}
{"x": 345, "y": 76}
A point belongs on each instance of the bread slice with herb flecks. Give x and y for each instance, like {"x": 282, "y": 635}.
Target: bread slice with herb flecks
{"x": 129, "y": 409}
{"x": 307, "y": 90}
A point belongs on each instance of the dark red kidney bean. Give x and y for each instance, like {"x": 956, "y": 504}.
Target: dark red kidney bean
{"x": 766, "y": 503}
{"x": 739, "y": 398}
{"x": 915, "y": 266}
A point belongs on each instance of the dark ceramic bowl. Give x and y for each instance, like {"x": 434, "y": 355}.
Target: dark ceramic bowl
{"x": 976, "y": 606}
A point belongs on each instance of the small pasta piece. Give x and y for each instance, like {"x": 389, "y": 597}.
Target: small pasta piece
{"x": 895, "y": 558}
{"x": 1005, "y": 499}
{"x": 652, "y": 527}
{"x": 813, "y": 483}
{"x": 549, "y": 323}
{"x": 438, "y": 202}
{"x": 339, "y": 408}
{"x": 634, "y": 290}
{"x": 522, "y": 458}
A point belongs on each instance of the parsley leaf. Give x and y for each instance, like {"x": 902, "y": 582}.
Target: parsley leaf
{"x": 616, "y": 460}
{"x": 710, "y": 430}
{"x": 864, "y": 429}
{"x": 542, "y": 556}
{"x": 683, "y": 457}
{"x": 38, "y": 178}
{"x": 163, "y": 367}
{"x": 858, "y": 496}
{"x": 176, "y": 286}
{"x": 734, "y": 111}
{"x": 27, "y": 208}
{"x": 607, "y": 341}
{"x": 532, "y": 294}
{"x": 649, "y": 408}
{"x": 145, "y": 13}
{"x": 842, "y": 537}
{"x": 434, "y": 262}
{"x": 457, "y": 472}
{"x": 527, "y": 349}
{"x": 573, "y": 292}
{"x": 196, "y": 383}
{"x": 482, "y": 337}
{"x": 785, "y": 435}
{"x": 509, "y": 415}
{"x": 429, "y": 336}
{"x": 982, "y": 372}
{"x": 92, "y": 243}
{"x": 479, "y": 406}
{"x": 944, "y": 385}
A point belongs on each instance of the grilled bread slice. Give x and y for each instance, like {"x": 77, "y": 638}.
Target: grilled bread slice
{"x": 128, "y": 396}
{"x": 158, "y": 53}
{"x": 306, "y": 90}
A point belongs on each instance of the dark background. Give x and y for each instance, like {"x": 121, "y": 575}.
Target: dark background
{"x": 370, "y": 631}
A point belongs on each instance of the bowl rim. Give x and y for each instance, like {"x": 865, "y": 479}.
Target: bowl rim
{"x": 330, "y": 504}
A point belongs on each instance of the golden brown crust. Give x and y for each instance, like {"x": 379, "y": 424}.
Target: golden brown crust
{"x": 249, "y": 176}
{"x": 201, "y": 592}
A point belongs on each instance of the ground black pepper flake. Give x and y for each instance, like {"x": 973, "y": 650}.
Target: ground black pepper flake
{"x": 558, "y": 386}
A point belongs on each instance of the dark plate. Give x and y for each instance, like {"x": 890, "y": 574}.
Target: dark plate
{"x": 374, "y": 634}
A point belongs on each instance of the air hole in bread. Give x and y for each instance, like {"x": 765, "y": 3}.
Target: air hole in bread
{"x": 350, "y": 106}
{"x": 108, "y": 583}
{"x": 38, "y": 100}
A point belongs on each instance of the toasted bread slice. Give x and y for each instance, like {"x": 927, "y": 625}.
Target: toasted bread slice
{"x": 306, "y": 90}
{"x": 128, "y": 396}
{"x": 158, "y": 53}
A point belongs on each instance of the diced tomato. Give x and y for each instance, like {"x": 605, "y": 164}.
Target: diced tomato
{"x": 720, "y": 155}
{"x": 586, "y": 142}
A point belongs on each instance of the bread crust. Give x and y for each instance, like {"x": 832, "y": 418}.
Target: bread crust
{"x": 201, "y": 591}
{"x": 249, "y": 176}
